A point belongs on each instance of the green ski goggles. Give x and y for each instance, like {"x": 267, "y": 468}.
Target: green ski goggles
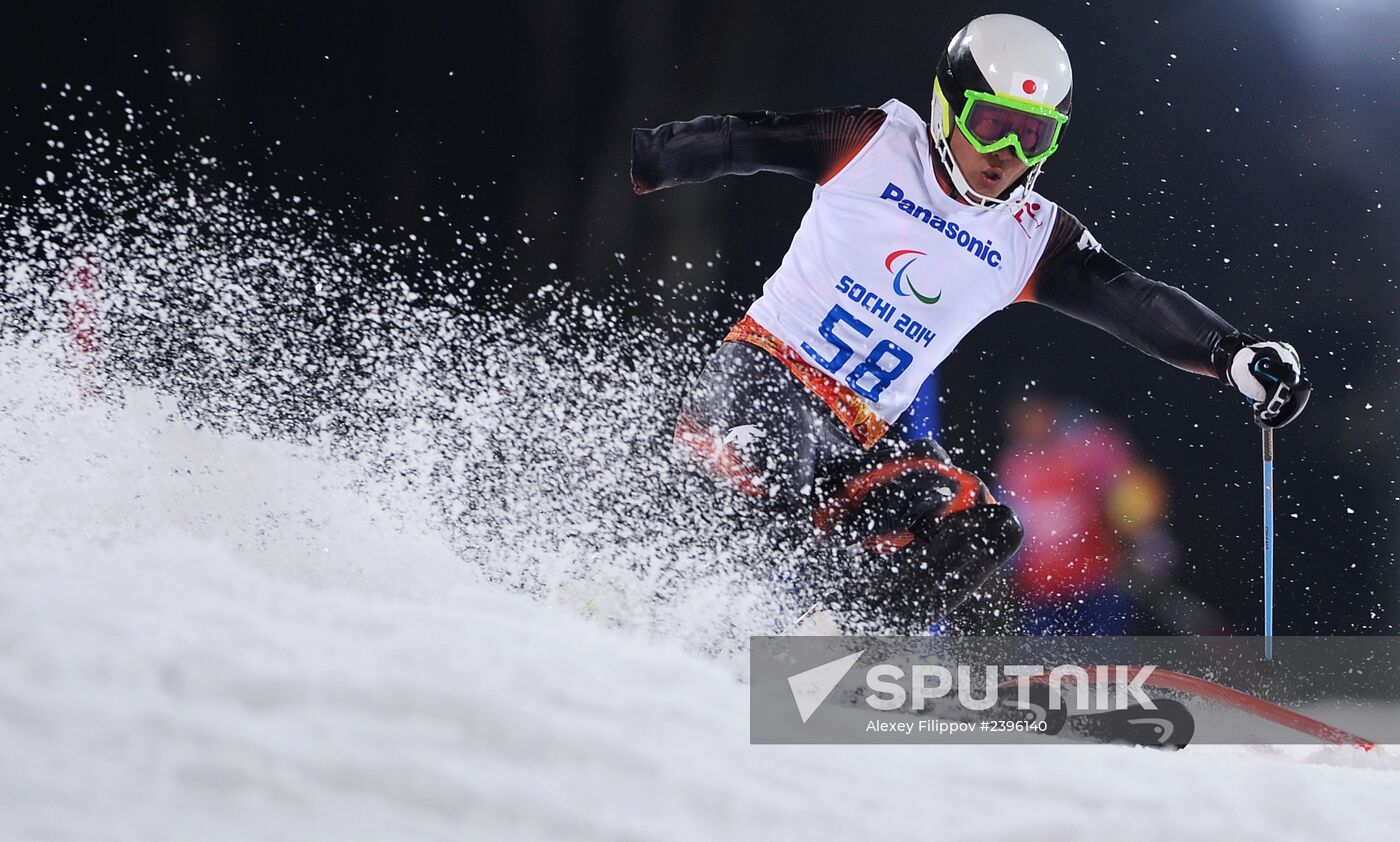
{"x": 991, "y": 122}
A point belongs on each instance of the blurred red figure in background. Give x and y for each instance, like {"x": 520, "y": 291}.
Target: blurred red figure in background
{"x": 1098, "y": 556}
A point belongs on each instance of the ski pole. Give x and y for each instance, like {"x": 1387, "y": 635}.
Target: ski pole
{"x": 1268, "y": 544}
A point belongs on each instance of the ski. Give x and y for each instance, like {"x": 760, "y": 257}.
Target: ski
{"x": 1168, "y": 725}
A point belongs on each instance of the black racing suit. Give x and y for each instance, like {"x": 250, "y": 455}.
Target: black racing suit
{"x": 902, "y": 535}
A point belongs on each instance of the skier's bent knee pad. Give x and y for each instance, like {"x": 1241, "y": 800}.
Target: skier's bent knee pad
{"x": 1002, "y": 529}
{"x": 979, "y": 538}
{"x": 892, "y": 497}
{"x": 950, "y": 557}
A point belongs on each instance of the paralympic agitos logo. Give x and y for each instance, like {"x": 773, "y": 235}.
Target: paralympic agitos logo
{"x": 903, "y": 280}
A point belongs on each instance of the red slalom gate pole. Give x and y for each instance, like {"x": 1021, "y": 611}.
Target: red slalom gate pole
{"x": 1204, "y": 688}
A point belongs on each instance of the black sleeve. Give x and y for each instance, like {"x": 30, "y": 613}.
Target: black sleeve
{"x": 812, "y": 145}
{"x": 1077, "y": 277}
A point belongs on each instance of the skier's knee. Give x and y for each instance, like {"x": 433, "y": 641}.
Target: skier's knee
{"x": 993, "y": 534}
{"x": 944, "y": 562}
{"x": 918, "y": 487}
{"x": 953, "y": 556}
{"x": 984, "y": 535}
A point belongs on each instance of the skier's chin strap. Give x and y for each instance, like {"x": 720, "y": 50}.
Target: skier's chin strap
{"x": 951, "y": 179}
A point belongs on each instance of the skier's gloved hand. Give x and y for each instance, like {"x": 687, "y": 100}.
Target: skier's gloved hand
{"x": 1268, "y": 374}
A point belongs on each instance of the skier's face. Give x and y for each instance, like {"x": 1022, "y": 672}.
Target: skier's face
{"x": 990, "y": 173}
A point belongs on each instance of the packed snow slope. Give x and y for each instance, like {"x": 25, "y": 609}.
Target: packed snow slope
{"x": 209, "y": 636}
{"x": 308, "y": 537}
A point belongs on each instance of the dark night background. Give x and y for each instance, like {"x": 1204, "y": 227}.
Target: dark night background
{"x": 1242, "y": 150}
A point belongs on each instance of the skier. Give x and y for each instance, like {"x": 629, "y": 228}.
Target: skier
{"x": 914, "y": 235}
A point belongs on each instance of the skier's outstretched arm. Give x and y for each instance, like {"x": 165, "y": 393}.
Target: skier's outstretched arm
{"x": 1078, "y": 278}
{"x": 812, "y": 145}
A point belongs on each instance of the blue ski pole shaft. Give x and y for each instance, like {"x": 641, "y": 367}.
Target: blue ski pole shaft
{"x": 1268, "y": 544}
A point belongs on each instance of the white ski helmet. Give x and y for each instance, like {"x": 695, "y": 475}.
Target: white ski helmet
{"x": 1003, "y": 81}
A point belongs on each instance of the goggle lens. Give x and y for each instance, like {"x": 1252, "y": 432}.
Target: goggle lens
{"x": 990, "y": 122}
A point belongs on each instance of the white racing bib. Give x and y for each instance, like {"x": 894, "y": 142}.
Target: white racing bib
{"x": 887, "y": 273}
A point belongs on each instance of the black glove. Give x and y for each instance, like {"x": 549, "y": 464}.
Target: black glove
{"x": 1268, "y": 374}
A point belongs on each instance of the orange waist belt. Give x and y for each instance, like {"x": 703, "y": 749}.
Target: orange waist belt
{"x": 849, "y": 407}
